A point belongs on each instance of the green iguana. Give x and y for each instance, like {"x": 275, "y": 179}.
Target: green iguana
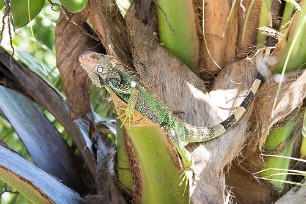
{"x": 105, "y": 71}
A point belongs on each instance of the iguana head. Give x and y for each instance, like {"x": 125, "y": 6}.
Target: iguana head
{"x": 96, "y": 65}
{"x": 96, "y": 62}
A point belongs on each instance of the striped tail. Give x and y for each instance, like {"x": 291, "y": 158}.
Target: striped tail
{"x": 201, "y": 134}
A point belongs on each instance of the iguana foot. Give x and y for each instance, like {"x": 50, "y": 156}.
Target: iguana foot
{"x": 128, "y": 115}
{"x": 187, "y": 178}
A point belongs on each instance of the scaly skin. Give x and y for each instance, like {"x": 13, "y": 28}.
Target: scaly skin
{"x": 105, "y": 71}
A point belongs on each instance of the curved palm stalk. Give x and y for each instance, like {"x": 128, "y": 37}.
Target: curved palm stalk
{"x": 286, "y": 15}
{"x": 177, "y": 30}
{"x": 264, "y": 20}
{"x": 124, "y": 171}
{"x": 39, "y": 136}
{"x": 280, "y": 141}
{"x": 32, "y": 182}
{"x": 155, "y": 176}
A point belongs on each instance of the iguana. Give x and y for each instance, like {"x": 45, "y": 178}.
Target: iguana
{"x": 106, "y": 71}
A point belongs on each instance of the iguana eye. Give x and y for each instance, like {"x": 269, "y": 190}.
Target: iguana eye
{"x": 95, "y": 57}
{"x": 99, "y": 69}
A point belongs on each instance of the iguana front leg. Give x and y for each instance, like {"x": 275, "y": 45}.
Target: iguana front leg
{"x": 133, "y": 95}
{"x": 129, "y": 111}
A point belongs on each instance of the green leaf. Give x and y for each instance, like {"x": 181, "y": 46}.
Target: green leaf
{"x": 25, "y": 10}
{"x": 1, "y": 4}
{"x": 74, "y": 6}
{"x": 293, "y": 56}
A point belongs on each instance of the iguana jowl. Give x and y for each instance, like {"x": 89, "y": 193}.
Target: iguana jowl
{"x": 105, "y": 71}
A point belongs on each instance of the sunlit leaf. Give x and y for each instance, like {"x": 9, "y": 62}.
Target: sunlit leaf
{"x": 25, "y": 10}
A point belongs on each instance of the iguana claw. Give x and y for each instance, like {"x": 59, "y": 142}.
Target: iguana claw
{"x": 187, "y": 178}
{"x": 129, "y": 111}
{"x": 128, "y": 115}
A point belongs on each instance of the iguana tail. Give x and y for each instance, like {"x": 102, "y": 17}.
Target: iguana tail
{"x": 201, "y": 134}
